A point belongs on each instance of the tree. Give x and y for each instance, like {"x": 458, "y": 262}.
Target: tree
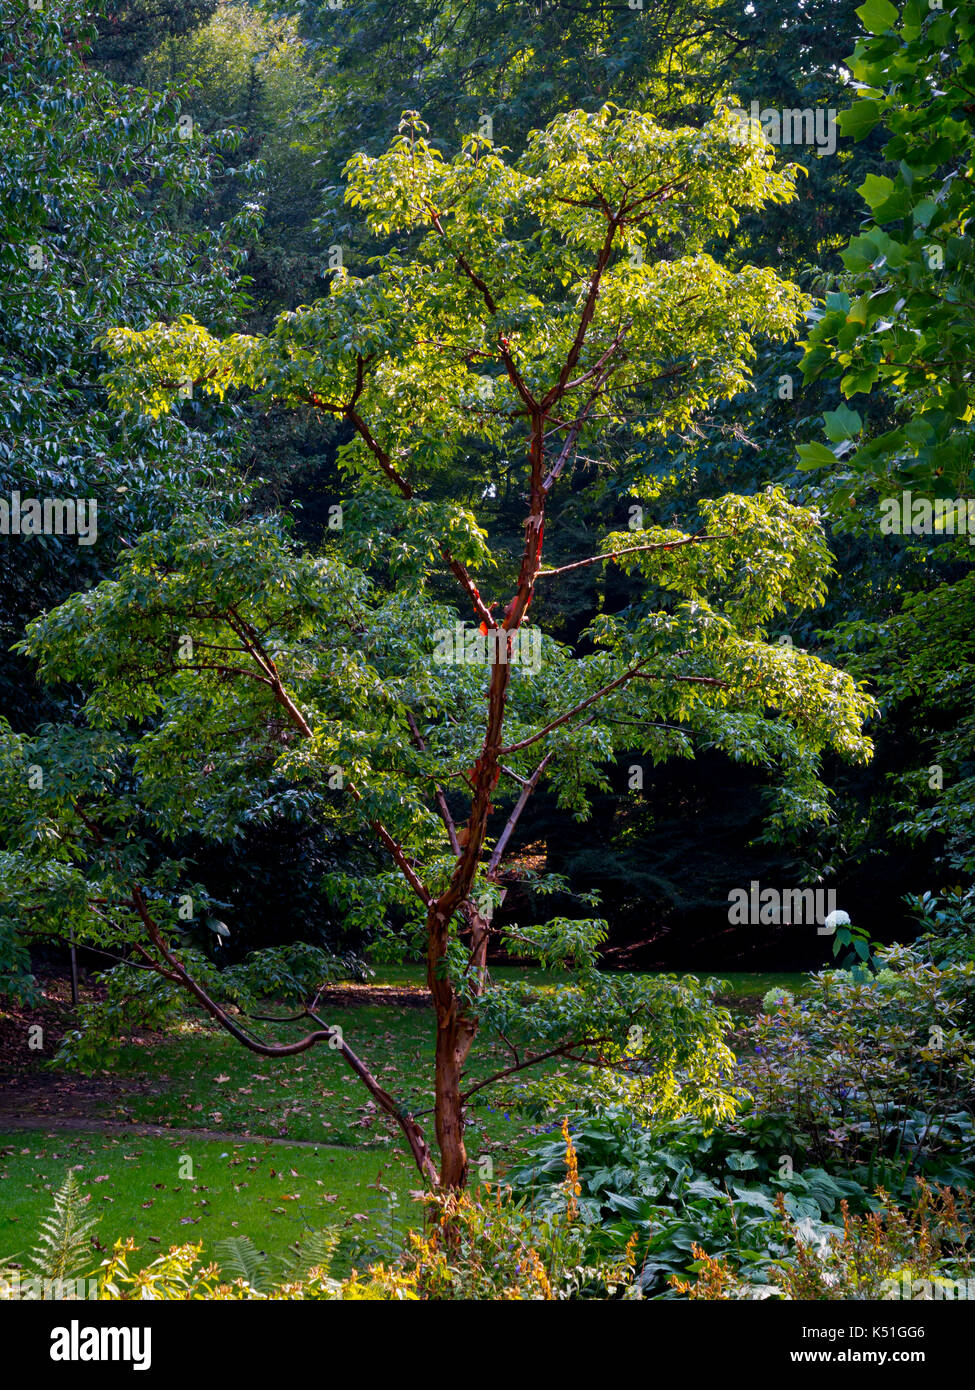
{"x": 526, "y": 311}
{"x": 93, "y": 178}
{"x": 897, "y": 333}
{"x": 903, "y": 322}
{"x": 128, "y": 30}
{"x": 309, "y": 102}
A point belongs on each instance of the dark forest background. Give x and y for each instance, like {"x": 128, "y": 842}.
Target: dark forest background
{"x": 240, "y": 216}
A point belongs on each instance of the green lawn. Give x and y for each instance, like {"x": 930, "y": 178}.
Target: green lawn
{"x": 357, "y": 1176}
{"x": 745, "y": 985}
{"x": 269, "y": 1192}
{"x": 739, "y": 983}
{"x": 202, "y": 1078}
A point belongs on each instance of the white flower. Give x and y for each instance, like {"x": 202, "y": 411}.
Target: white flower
{"x": 837, "y": 919}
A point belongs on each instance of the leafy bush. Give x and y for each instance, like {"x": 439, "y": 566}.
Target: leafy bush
{"x": 878, "y": 1073}
{"x": 659, "y": 1192}
{"x": 925, "y": 1252}
{"x": 948, "y": 923}
{"x": 16, "y": 980}
{"x": 136, "y": 999}
{"x": 181, "y": 1274}
{"x": 132, "y": 1000}
{"x": 852, "y": 948}
{"x": 493, "y": 1245}
{"x": 862, "y": 1081}
{"x": 292, "y": 973}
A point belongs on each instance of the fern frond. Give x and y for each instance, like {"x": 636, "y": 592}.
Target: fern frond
{"x": 313, "y": 1250}
{"x": 64, "y": 1245}
{"x": 239, "y": 1256}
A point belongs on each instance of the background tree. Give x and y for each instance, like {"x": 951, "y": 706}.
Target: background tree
{"x": 95, "y": 182}
{"x": 92, "y": 186}
{"x": 896, "y": 332}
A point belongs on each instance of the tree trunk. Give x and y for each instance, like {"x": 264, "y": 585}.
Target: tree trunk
{"x": 449, "y": 1110}
{"x": 455, "y": 1026}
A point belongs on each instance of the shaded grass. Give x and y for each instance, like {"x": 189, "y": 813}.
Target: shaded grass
{"x": 271, "y": 1193}
{"x": 201, "y": 1077}
{"x": 734, "y": 984}
{"x": 744, "y": 985}
{"x": 358, "y": 1177}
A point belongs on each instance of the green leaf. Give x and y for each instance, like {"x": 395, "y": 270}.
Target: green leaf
{"x": 815, "y": 455}
{"x": 842, "y": 423}
{"x": 859, "y": 380}
{"x": 877, "y": 16}
{"x": 858, "y": 121}
{"x": 876, "y": 189}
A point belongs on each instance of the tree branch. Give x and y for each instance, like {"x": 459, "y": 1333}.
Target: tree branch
{"x": 561, "y": 1051}
{"x": 527, "y": 788}
{"x": 569, "y": 714}
{"x": 631, "y": 550}
{"x": 324, "y": 1033}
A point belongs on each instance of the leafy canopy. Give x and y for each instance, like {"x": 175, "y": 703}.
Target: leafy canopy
{"x": 530, "y": 308}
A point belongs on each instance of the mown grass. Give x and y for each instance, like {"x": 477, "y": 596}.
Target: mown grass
{"x": 357, "y": 1177}
{"x": 739, "y": 983}
{"x": 138, "y": 1187}
{"x": 733, "y": 984}
{"x": 202, "y": 1078}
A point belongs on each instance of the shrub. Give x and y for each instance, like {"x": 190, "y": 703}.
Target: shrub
{"x": 181, "y": 1274}
{"x": 492, "y": 1245}
{"x": 948, "y": 923}
{"x": 16, "y": 980}
{"x": 925, "y": 1251}
{"x": 876, "y": 1071}
{"x": 656, "y": 1192}
{"x": 135, "y": 999}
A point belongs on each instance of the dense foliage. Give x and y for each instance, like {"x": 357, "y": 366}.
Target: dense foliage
{"x": 526, "y": 501}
